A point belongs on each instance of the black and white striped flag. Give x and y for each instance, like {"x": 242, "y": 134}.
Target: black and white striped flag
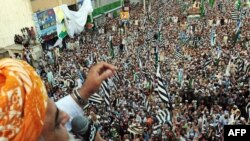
{"x": 247, "y": 69}
{"x": 208, "y": 62}
{"x": 95, "y": 98}
{"x": 204, "y": 122}
{"x": 248, "y": 110}
{"x": 156, "y": 89}
{"x": 165, "y": 97}
{"x": 116, "y": 77}
{"x": 146, "y": 103}
{"x": 234, "y": 15}
{"x": 179, "y": 55}
{"x": 106, "y": 90}
{"x": 164, "y": 117}
{"x": 239, "y": 62}
{"x": 157, "y": 127}
{"x": 136, "y": 130}
{"x": 218, "y": 130}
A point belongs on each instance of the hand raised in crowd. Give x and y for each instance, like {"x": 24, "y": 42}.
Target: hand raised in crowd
{"x": 96, "y": 75}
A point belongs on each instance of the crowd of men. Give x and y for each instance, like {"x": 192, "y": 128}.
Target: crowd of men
{"x": 203, "y": 62}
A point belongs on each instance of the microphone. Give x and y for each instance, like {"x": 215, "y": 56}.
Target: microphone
{"x": 84, "y": 128}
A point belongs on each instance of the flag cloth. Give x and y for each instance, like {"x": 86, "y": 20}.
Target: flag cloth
{"x": 248, "y": 110}
{"x": 238, "y": 5}
{"x": 157, "y": 127}
{"x": 218, "y": 129}
{"x": 135, "y": 129}
{"x": 146, "y": 103}
{"x": 239, "y": 62}
{"x": 135, "y": 76}
{"x": 190, "y": 83}
{"x": 106, "y": 90}
{"x": 164, "y": 117}
{"x": 161, "y": 89}
{"x": 213, "y": 38}
{"x": 207, "y": 62}
{"x": 211, "y": 3}
{"x": 179, "y": 55}
{"x": 140, "y": 63}
{"x": 202, "y": 8}
{"x": 234, "y": 15}
{"x": 112, "y": 53}
{"x": 204, "y": 122}
{"x": 156, "y": 56}
{"x": 95, "y": 98}
{"x": 238, "y": 25}
{"x": 247, "y": 69}
{"x": 218, "y": 51}
{"x": 149, "y": 84}
{"x": 180, "y": 75}
{"x": 76, "y": 20}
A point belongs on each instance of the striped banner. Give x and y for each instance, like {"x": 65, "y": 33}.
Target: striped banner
{"x": 208, "y": 62}
{"x": 106, "y": 90}
{"x": 164, "y": 117}
{"x": 240, "y": 64}
{"x": 248, "y": 110}
{"x": 161, "y": 89}
{"x": 95, "y": 98}
{"x": 213, "y": 38}
{"x": 234, "y": 15}
{"x": 146, "y": 103}
{"x": 179, "y": 55}
{"x": 136, "y": 130}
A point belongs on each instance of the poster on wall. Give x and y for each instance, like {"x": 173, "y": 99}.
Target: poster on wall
{"x": 45, "y": 22}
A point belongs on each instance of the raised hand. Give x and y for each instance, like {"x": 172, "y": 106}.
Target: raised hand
{"x": 97, "y": 74}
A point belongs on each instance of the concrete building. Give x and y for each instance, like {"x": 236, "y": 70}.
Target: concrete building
{"x": 16, "y": 14}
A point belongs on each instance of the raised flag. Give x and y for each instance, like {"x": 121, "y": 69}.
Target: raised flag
{"x": 162, "y": 89}
{"x": 156, "y": 56}
{"x": 202, "y": 9}
{"x": 238, "y": 4}
{"x": 112, "y": 52}
{"x": 213, "y": 38}
{"x": 165, "y": 117}
{"x": 106, "y": 90}
{"x": 95, "y": 98}
{"x": 248, "y": 110}
{"x": 146, "y": 103}
{"x": 211, "y": 3}
{"x": 234, "y": 15}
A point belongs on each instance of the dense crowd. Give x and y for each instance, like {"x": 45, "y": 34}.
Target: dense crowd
{"x": 203, "y": 61}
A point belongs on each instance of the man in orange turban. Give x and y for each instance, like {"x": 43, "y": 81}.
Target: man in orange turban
{"x": 26, "y": 112}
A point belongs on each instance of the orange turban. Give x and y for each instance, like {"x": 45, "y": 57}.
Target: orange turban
{"x": 23, "y": 101}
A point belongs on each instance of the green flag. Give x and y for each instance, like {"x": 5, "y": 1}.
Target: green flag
{"x": 112, "y": 53}
{"x": 190, "y": 83}
{"x": 135, "y": 76}
{"x": 211, "y": 3}
{"x": 148, "y": 85}
{"x": 238, "y": 5}
{"x": 202, "y": 8}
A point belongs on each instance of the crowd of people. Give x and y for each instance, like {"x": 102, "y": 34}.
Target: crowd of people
{"x": 203, "y": 62}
